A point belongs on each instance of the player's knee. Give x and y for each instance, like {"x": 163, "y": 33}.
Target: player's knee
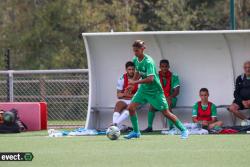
{"x": 219, "y": 123}
{"x": 167, "y": 113}
{"x": 119, "y": 106}
{"x": 120, "y": 103}
{"x": 210, "y": 126}
{"x": 131, "y": 110}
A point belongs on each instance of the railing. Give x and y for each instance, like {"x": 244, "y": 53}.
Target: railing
{"x": 65, "y": 91}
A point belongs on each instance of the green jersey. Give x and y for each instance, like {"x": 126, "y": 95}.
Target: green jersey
{"x": 146, "y": 68}
{"x": 204, "y": 107}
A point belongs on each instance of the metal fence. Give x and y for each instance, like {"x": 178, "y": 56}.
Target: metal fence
{"x": 65, "y": 91}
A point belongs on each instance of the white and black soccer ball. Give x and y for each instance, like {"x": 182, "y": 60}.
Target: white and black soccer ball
{"x": 113, "y": 133}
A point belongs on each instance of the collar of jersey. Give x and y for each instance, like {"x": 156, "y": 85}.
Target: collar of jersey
{"x": 142, "y": 59}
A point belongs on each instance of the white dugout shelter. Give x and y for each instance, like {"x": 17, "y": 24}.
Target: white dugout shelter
{"x": 211, "y": 59}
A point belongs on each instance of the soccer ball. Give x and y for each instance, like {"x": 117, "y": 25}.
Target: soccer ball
{"x": 113, "y": 133}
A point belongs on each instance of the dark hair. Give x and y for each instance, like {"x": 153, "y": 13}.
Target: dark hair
{"x": 164, "y": 61}
{"x": 139, "y": 44}
{"x": 204, "y": 90}
{"x": 129, "y": 64}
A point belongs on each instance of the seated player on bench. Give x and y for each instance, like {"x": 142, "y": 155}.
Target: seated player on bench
{"x": 205, "y": 112}
{"x": 124, "y": 96}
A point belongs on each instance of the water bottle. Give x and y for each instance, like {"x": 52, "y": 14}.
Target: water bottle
{"x": 58, "y": 134}
{"x": 54, "y": 133}
{"x": 199, "y": 125}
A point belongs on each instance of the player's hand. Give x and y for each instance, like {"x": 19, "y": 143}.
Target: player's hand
{"x": 246, "y": 103}
{"x": 204, "y": 123}
{"x": 131, "y": 82}
{"x": 169, "y": 99}
{"x": 128, "y": 90}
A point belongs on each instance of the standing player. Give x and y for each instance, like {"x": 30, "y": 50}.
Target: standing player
{"x": 120, "y": 112}
{"x": 150, "y": 91}
{"x": 171, "y": 87}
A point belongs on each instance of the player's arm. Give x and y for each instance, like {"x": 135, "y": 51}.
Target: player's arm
{"x": 176, "y": 86}
{"x": 214, "y": 119}
{"x": 119, "y": 88}
{"x": 130, "y": 86}
{"x": 136, "y": 76}
{"x": 237, "y": 89}
{"x": 213, "y": 114}
{"x": 195, "y": 120}
{"x": 203, "y": 123}
{"x": 149, "y": 79}
{"x": 128, "y": 96}
{"x": 175, "y": 92}
{"x": 119, "y": 94}
{"x": 195, "y": 113}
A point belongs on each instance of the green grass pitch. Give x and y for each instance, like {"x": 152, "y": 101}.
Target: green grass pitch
{"x": 149, "y": 151}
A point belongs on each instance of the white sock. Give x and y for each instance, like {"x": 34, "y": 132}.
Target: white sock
{"x": 124, "y": 115}
{"x": 116, "y": 115}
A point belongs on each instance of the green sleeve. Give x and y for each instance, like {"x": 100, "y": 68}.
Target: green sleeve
{"x": 214, "y": 111}
{"x": 195, "y": 110}
{"x": 175, "y": 81}
{"x": 150, "y": 69}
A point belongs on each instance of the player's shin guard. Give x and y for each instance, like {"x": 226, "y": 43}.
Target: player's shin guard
{"x": 170, "y": 123}
{"x": 134, "y": 121}
{"x": 151, "y": 116}
{"x": 179, "y": 125}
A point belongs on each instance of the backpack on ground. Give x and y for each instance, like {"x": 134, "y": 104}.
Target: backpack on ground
{"x": 10, "y": 122}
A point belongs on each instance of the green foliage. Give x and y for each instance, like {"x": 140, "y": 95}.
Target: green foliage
{"x": 43, "y": 36}
{"x": 46, "y": 34}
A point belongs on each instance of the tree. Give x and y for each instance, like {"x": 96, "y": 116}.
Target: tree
{"x": 46, "y": 34}
{"x": 168, "y": 15}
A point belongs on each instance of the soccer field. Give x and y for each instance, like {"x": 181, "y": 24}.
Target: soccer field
{"x": 149, "y": 150}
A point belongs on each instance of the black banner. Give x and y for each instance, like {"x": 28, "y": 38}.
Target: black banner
{"x": 16, "y": 156}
